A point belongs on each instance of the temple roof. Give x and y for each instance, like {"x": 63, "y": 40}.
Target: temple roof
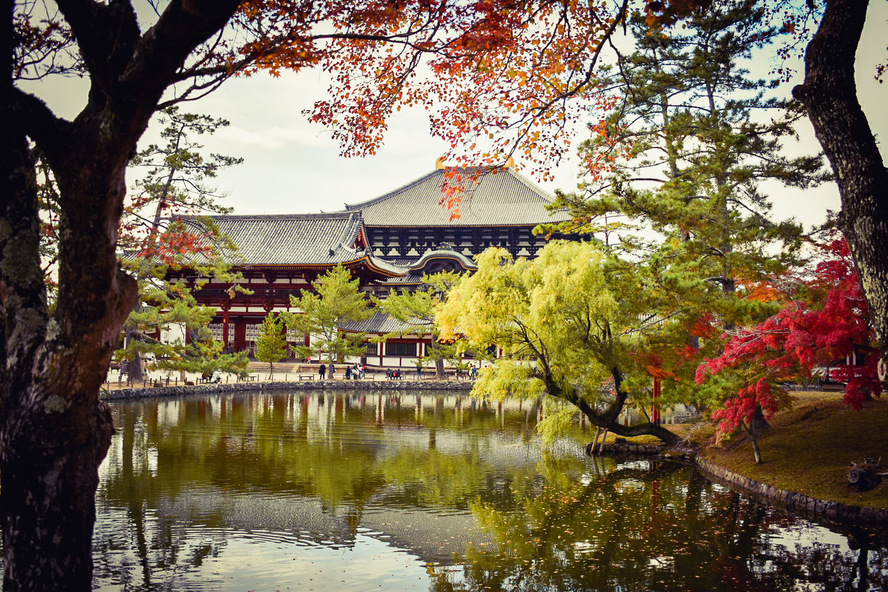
{"x": 297, "y": 239}
{"x": 490, "y": 197}
{"x": 378, "y": 323}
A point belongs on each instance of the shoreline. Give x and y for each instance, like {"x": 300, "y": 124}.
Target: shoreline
{"x": 307, "y": 385}
{"x": 836, "y": 513}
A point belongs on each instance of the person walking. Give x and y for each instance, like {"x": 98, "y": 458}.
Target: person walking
{"x": 322, "y": 372}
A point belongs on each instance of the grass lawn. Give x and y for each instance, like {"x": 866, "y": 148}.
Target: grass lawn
{"x": 808, "y": 449}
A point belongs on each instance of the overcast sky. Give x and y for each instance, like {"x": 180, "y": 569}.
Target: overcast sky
{"x": 291, "y": 166}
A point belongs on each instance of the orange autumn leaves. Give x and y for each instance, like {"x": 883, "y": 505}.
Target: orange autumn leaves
{"x": 502, "y": 71}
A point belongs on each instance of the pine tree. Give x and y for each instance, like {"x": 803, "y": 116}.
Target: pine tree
{"x": 271, "y": 345}
{"x": 683, "y": 157}
{"x": 323, "y": 313}
{"x": 155, "y": 241}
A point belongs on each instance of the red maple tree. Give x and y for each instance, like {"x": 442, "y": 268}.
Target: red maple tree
{"x": 809, "y": 337}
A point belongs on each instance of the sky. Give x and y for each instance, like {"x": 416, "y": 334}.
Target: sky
{"x": 292, "y": 166}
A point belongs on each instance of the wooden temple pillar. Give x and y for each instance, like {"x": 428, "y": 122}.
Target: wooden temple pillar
{"x": 655, "y": 411}
{"x": 226, "y": 322}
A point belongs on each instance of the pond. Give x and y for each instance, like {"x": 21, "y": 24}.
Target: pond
{"x": 379, "y": 491}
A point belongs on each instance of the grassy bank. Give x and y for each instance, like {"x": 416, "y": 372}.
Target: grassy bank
{"x": 808, "y": 449}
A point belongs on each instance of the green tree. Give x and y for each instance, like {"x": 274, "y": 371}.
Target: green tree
{"x": 271, "y": 344}
{"x": 570, "y": 326}
{"x": 416, "y": 309}
{"x": 175, "y": 173}
{"x": 689, "y": 143}
{"x": 167, "y": 301}
{"x": 204, "y": 356}
{"x": 322, "y": 314}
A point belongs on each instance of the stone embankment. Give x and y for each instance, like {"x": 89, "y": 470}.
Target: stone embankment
{"x": 622, "y": 447}
{"x": 301, "y": 385}
{"x": 816, "y": 509}
{"x": 834, "y": 512}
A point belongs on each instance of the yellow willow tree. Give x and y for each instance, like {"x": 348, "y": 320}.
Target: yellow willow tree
{"x": 568, "y": 327}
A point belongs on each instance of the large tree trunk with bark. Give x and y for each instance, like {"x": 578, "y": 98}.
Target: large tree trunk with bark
{"x": 829, "y": 94}
{"x": 54, "y": 429}
{"x": 49, "y": 475}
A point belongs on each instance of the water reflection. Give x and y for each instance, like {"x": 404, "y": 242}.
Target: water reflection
{"x": 426, "y": 492}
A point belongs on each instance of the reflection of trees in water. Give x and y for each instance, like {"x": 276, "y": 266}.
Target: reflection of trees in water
{"x": 140, "y": 553}
{"x": 862, "y": 569}
{"x": 275, "y": 444}
{"x": 280, "y": 446}
{"x": 563, "y": 523}
{"x": 658, "y": 528}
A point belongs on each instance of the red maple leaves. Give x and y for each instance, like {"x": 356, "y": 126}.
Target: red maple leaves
{"x": 815, "y": 336}
{"x": 179, "y": 245}
{"x": 738, "y": 411}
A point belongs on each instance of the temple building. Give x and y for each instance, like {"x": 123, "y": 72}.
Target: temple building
{"x": 388, "y": 243}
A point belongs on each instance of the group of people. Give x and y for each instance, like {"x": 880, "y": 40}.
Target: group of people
{"x": 355, "y": 372}
{"x": 352, "y": 372}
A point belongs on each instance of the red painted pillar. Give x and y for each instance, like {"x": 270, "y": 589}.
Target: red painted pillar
{"x": 226, "y": 319}
{"x": 655, "y": 411}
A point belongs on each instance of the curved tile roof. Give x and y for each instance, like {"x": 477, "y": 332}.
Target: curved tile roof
{"x": 465, "y": 262}
{"x": 490, "y": 197}
{"x": 291, "y": 239}
{"x": 378, "y": 323}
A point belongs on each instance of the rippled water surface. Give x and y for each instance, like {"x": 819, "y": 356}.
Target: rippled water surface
{"x": 361, "y": 492}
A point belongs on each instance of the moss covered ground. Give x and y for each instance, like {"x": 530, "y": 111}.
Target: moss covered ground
{"x": 808, "y": 449}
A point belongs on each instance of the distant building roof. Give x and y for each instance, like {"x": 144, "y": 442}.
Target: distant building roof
{"x": 296, "y": 239}
{"x": 490, "y": 197}
{"x": 378, "y": 323}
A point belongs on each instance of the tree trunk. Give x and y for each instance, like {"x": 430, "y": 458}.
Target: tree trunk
{"x": 609, "y": 418}
{"x": 759, "y": 423}
{"x": 756, "y": 451}
{"x": 48, "y": 481}
{"x": 829, "y": 94}
{"x": 54, "y": 430}
{"x": 609, "y": 421}
{"x": 644, "y": 429}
